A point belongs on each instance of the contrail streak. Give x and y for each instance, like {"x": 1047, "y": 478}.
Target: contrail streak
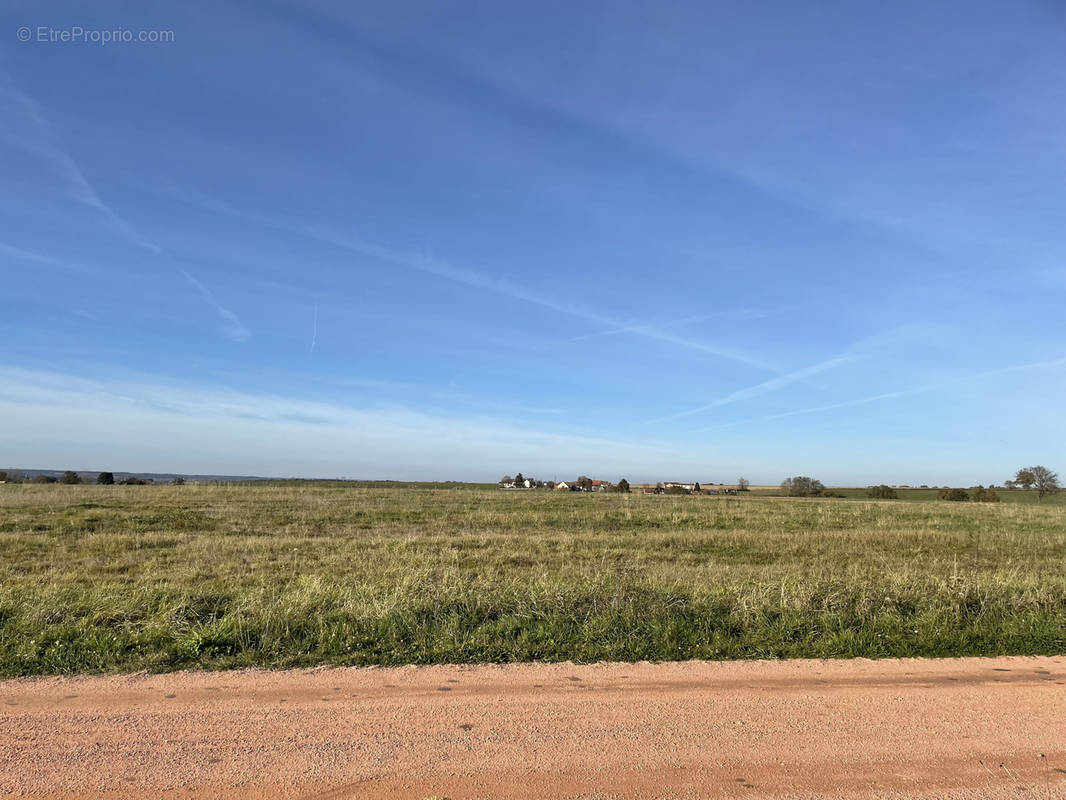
{"x": 759, "y": 389}
{"x": 457, "y": 273}
{"x": 933, "y": 387}
{"x": 35, "y": 134}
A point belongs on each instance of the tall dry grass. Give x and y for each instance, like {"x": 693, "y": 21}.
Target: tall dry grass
{"x": 99, "y": 578}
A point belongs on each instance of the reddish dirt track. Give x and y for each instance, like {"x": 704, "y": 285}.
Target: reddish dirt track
{"x": 796, "y": 729}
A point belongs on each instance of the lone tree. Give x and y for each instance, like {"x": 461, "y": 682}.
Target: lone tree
{"x": 106, "y": 478}
{"x": 802, "y": 486}
{"x": 742, "y": 484}
{"x": 622, "y": 486}
{"x": 70, "y": 477}
{"x": 696, "y": 488}
{"x": 1044, "y": 481}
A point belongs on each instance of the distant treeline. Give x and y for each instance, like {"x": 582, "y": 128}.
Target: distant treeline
{"x": 1038, "y": 481}
{"x": 70, "y": 477}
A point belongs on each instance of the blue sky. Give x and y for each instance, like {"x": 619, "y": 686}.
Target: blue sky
{"x": 447, "y": 240}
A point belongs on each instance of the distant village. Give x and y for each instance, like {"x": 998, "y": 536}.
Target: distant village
{"x": 586, "y": 484}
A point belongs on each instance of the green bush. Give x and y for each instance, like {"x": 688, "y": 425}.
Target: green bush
{"x": 982, "y": 495}
{"x": 882, "y": 492}
{"x": 957, "y": 495}
{"x": 802, "y": 486}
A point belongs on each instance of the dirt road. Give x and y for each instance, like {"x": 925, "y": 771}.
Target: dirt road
{"x": 797, "y": 729}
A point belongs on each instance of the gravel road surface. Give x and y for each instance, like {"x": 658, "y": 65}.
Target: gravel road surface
{"x": 956, "y": 728}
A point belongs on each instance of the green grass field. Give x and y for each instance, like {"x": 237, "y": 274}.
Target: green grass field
{"x": 99, "y": 578}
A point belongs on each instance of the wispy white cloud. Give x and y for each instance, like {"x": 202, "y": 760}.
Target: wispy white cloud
{"x": 888, "y": 338}
{"x": 659, "y": 327}
{"x": 426, "y": 263}
{"x": 639, "y": 328}
{"x": 772, "y": 385}
{"x": 482, "y": 280}
{"x": 314, "y": 333}
{"x": 932, "y": 387}
{"x": 233, "y": 329}
{"x": 929, "y": 198}
{"x": 35, "y": 134}
{"x": 21, "y": 254}
{"x": 32, "y": 132}
{"x": 197, "y": 428}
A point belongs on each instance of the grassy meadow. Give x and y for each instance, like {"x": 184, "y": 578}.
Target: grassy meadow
{"x": 119, "y": 578}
